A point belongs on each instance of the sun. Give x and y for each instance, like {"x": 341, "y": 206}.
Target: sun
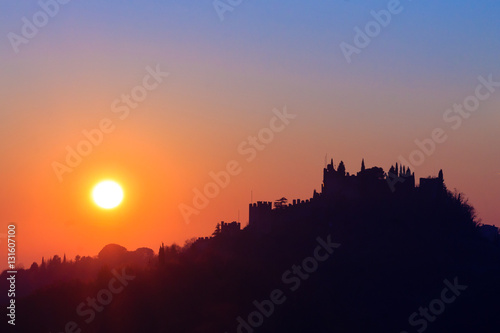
{"x": 107, "y": 194}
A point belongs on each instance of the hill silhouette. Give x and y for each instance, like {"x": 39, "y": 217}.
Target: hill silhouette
{"x": 359, "y": 256}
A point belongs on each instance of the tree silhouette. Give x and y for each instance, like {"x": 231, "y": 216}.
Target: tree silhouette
{"x": 217, "y": 230}
{"x": 280, "y": 202}
{"x": 341, "y": 168}
{"x": 161, "y": 255}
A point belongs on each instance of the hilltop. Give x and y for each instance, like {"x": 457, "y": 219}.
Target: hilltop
{"x": 367, "y": 253}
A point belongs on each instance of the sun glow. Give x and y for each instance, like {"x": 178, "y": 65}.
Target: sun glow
{"x": 107, "y": 194}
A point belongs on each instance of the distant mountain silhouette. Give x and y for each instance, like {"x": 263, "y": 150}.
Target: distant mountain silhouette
{"x": 115, "y": 255}
{"x": 371, "y": 252}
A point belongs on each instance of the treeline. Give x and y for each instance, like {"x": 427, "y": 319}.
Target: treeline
{"x": 393, "y": 256}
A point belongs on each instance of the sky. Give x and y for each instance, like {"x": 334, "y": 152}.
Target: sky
{"x": 343, "y": 79}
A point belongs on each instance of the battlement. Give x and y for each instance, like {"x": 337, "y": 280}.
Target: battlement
{"x": 229, "y": 228}
{"x": 262, "y": 205}
{"x": 296, "y": 202}
{"x": 259, "y": 211}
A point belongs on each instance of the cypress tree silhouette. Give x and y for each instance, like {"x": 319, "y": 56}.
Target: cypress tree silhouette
{"x": 341, "y": 168}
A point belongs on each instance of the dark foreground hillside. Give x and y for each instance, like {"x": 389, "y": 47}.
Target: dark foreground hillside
{"x": 379, "y": 263}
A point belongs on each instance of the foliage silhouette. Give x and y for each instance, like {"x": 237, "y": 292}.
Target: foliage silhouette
{"x": 397, "y": 248}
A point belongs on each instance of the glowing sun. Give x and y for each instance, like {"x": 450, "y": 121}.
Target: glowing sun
{"x": 107, "y": 194}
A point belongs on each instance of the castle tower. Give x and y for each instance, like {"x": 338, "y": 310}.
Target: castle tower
{"x": 259, "y": 212}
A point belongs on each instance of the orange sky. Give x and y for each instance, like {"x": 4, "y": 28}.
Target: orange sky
{"x": 225, "y": 81}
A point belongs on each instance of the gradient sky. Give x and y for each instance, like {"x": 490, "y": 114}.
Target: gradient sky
{"x": 225, "y": 79}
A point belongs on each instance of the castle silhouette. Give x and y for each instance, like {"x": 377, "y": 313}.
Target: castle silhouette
{"x": 339, "y": 187}
{"x": 399, "y": 242}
